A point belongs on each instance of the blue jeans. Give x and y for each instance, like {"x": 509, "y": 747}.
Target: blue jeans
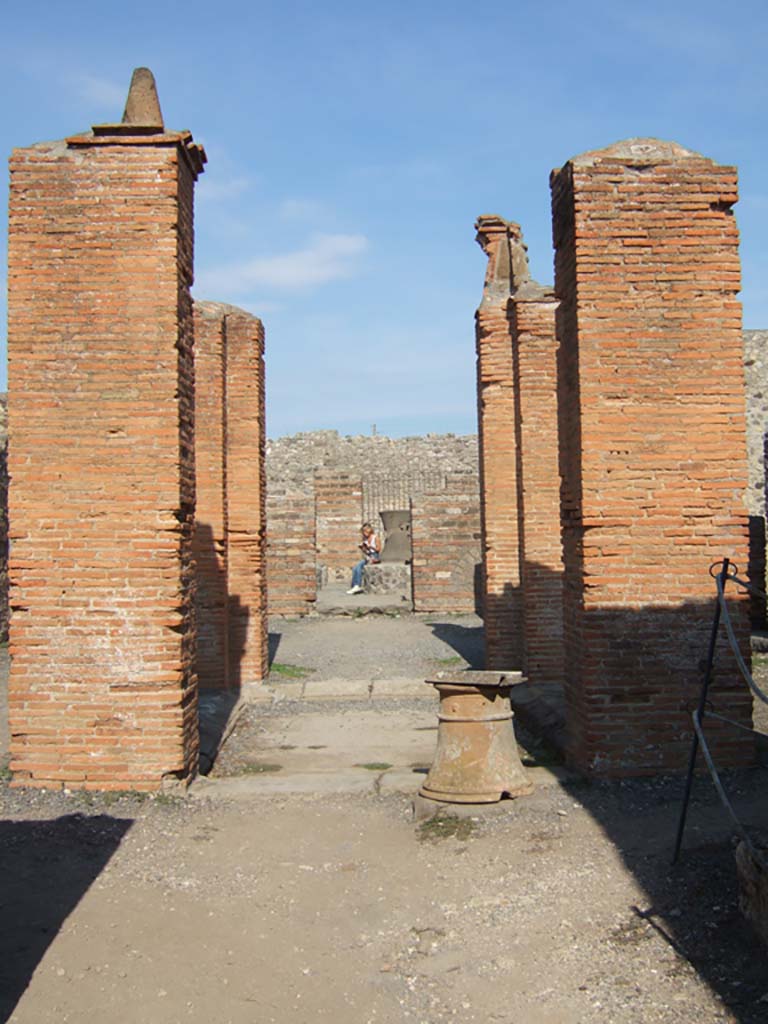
{"x": 357, "y": 572}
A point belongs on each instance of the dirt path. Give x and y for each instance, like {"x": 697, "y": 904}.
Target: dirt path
{"x": 560, "y": 909}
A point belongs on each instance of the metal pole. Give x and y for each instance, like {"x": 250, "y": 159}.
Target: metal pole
{"x": 723, "y": 576}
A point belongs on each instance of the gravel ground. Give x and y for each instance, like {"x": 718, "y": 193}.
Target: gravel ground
{"x": 377, "y": 646}
{"x": 558, "y": 908}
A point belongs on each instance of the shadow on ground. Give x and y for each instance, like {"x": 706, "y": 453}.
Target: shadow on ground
{"x": 467, "y": 641}
{"x": 693, "y": 906}
{"x": 46, "y": 867}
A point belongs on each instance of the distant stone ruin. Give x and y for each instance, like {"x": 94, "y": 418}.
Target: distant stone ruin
{"x": 321, "y": 487}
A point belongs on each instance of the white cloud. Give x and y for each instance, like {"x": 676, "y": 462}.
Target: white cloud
{"x": 324, "y": 258}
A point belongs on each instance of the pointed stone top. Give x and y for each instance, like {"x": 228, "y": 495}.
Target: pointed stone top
{"x": 142, "y": 108}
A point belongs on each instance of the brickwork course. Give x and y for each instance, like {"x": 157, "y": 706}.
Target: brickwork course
{"x": 445, "y": 533}
{"x": 230, "y": 526}
{"x": 652, "y": 443}
{"x": 102, "y": 690}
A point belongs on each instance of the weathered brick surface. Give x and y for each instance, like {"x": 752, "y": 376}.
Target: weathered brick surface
{"x": 532, "y": 318}
{"x": 652, "y": 438}
{"x": 230, "y": 522}
{"x": 445, "y": 531}
{"x": 246, "y": 500}
{"x": 102, "y": 689}
{"x": 501, "y": 595}
{"x": 210, "y": 534}
{"x": 291, "y": 573}
{"x": 338, "y": 518}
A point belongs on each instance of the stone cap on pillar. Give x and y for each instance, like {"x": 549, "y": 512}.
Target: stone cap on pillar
{"x": 637, "y": 153}
{"x": 143, "y": 124}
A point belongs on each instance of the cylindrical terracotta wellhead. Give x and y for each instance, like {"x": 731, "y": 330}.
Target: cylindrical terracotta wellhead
{"x": 476, "y": 760}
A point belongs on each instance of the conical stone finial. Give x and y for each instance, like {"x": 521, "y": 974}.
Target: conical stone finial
{"x": 142, "y": 108}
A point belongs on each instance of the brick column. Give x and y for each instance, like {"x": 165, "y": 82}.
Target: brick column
{"x": 102, "y": 690}
{"x": 210, "y": 535}
{"x": 532, "y": 319}
{"x": 338, "y": 517}
{"x": 230, "y": 524}
{"x": 653, "y": 450}
{"x": 246, "y": 500}
{"x": 501, "y": 584}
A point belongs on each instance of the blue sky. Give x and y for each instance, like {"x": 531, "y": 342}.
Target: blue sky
{"x": 351, "y": 147}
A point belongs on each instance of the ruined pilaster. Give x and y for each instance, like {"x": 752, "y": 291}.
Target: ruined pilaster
{"x": 101, "y": 406}
{"x": 653, "y": 458}
{"x": 517, "y": 414}
{"x": 501, "y": 241}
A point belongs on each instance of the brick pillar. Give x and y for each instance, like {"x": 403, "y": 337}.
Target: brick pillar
{"x": 102, "y": 689}
{"x": 246, "y": 501}
{"x": 532, "y": 320}
{"x": 501, "y": 584}
{"x": 291, "y": 570}
{"x": 229, "y": 539}
{"x": 653, "y": 448}
{"x": 445, "y": 535}
{"x": 210, "y": 535}
{"x": 338, "y": 517}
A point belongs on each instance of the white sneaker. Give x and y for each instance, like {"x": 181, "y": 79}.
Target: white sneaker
{"x": 355, "y": 590}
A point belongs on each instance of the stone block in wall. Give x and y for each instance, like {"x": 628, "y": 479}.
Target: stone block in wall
{"x": 445, "y": 533}
{"x": 652, "y": 449}
{"x": 102, "y": 691}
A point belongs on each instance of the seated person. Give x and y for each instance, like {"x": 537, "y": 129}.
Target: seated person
{"x": 371, "y": 548}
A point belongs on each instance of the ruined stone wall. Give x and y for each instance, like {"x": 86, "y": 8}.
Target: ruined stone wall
{"x": 102, "y": 689}
{"x": 294, "y": 459}
{"x": 652, "y": 441}
{"x": 445, "y": 531}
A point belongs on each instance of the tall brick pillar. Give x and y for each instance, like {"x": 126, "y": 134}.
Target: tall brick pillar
{"x": 520, "y": 483}
{"x": 501, "y": 584}
{"x": 653, "y": 452}
{"x": 101, "y": 402}
{"x": 229, "y": 541}
{"x": 246, "y": 501}
{"x": 534, "y": 360}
